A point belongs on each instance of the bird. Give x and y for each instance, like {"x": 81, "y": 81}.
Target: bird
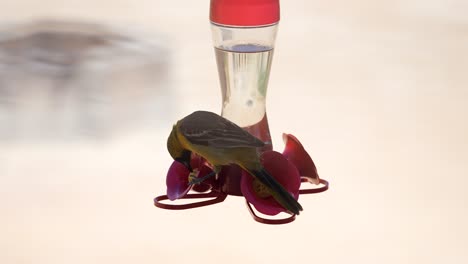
{"x": 221, "y": 142}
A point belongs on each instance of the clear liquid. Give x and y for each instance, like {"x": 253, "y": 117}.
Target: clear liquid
{"x": 244, "y": 72}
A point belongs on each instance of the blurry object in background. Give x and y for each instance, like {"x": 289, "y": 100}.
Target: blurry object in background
{"x": 61, "y": 80}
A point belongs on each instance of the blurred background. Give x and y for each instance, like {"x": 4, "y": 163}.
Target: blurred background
{"x": 375, "y": 90}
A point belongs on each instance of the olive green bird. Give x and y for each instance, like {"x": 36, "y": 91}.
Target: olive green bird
{"x": 221, "y": 142}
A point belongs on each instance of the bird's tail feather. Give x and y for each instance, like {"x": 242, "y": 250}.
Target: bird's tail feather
{"x": 283, "y": 197}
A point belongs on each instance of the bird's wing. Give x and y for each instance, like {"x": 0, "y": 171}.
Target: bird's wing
{"x": 209, "y": 129}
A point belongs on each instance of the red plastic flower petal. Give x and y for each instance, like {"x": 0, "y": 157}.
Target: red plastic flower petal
{"x": 177, "y": 181}
{"x": 283, "y": 171}
{"x": 295, "y": 153}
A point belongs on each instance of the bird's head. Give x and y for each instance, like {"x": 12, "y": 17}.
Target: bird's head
{"x": 178, "y": 153}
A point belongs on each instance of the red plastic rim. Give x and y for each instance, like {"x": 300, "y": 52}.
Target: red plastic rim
{"x": 290, "y": 219}
{"x": 269, "y": 221}
{"x": 324, "y": 186}
{"x": 218, "y": 197}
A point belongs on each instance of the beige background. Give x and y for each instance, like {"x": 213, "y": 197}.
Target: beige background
{"x": 375, "y": 90}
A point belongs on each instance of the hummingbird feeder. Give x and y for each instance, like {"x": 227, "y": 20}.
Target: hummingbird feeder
{"x": 244, "y": 33}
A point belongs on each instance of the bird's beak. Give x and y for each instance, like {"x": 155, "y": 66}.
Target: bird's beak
{"x": 185, "y": 159}
{"x": 185, "y": 163}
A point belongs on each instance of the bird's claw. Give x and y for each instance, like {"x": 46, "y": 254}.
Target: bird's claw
{"x": 194, "y": 179}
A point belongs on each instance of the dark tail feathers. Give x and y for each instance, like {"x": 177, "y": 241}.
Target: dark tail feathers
{"x": 283, "y": 197}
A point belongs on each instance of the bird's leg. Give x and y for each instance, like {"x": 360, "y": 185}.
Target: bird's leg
{"x": 193, "y": 175}
{"x": 198, "y": 180}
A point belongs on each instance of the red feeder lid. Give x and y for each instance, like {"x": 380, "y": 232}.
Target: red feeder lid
{"x": 244, "y": 12}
